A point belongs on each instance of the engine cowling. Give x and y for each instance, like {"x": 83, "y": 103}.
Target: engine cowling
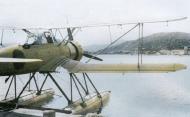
{"x": 76, "y": 51}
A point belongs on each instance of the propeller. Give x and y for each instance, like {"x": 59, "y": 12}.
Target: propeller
{"x": 86, "y": 54}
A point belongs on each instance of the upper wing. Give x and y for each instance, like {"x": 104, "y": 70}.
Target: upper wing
{"x": 18, "y": 60}
{"x": 78, "y": 67}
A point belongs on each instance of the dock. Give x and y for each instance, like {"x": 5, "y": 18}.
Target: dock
{"x": 31, "y": 113}
{"x": 38, "y": 113}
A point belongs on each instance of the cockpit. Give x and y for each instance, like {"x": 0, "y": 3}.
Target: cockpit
{"x": 43, "y": 38}
{"x": 40, "y": 38}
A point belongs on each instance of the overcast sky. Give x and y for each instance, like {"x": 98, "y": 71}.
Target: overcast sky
{"x": 57, "y": 13}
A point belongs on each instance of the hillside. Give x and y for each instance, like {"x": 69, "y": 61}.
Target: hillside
{"x": 154, "y": 43}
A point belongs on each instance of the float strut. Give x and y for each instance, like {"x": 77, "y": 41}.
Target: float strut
{"x": 15, "y": 85}
{"x": 39, "y": 92}
{"x": 69, "y": 101}
{"x": 25, "y": 86}
{"x": 71, "y": 85}
{"x": 85, "y": 90}
{"x": 83, "y": 104}
{"x": 92, "y": 84}
{"x": 36, "y": 84}
{"x": 8, "y": 88}
{"x": 85, "y": 83}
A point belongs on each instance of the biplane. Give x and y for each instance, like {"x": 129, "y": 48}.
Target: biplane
{"x": 46, "y": 53}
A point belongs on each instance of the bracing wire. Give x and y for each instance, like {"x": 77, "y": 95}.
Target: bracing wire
{"x": 116, "y": 40}
{"x": 141, "y": 25}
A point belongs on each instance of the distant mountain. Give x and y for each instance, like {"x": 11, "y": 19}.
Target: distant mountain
{"x": 154, "y": 43}
{"x": 93, "y": 48}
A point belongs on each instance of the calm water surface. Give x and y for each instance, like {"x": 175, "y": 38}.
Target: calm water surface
{"x": 134, "y": 94}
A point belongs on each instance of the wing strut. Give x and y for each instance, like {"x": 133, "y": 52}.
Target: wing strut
{"x": 2, "y": 34}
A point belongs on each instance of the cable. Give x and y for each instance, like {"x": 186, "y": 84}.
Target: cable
{"x": 101, "y": 51}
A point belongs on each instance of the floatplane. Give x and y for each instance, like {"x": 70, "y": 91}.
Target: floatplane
{"x": 46, "y": 53}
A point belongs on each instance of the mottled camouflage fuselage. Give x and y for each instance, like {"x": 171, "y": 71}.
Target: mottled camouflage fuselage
{"x": 49, "y": 54}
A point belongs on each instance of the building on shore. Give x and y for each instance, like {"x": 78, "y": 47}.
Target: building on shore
{"x": 186, "y": 50}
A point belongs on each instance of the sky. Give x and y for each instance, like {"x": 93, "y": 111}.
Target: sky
{"x": 59, "y": 13}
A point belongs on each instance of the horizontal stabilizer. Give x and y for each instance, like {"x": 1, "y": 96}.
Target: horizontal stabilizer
{"x": 78, "y": 67}
{"x": 18, "y": 60}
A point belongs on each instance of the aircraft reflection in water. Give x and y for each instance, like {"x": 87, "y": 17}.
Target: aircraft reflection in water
{"x": 45, "y": 54}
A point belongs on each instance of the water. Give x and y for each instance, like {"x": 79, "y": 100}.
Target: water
{"x": 134, "y": 94}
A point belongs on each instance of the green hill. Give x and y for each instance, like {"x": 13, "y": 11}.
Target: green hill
{"x": 153, "y": 43}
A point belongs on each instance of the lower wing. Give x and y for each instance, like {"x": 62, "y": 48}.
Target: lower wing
{"x": 78, "y": 67}
{"x": 19, "y": 60}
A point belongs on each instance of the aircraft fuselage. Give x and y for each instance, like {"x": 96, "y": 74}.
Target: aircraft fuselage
{"x": 49, "y": 54}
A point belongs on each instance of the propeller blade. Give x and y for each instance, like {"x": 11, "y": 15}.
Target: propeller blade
{"x": 70, "y": 34}
{"x": 91, "y": 56}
